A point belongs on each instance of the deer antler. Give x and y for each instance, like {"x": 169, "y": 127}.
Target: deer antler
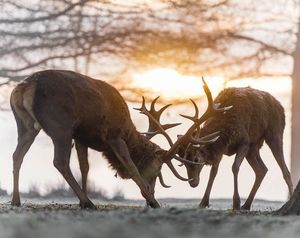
{"x": 195, "y": 117}
{"x": 205, "y": 139}
{"x": 155, "y": 127}
{"x": 162, "y": 182}
{"x": 211, "y": 109}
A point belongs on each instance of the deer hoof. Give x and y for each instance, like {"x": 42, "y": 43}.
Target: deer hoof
{"x": 245, "y": 207}
{"x": 203, "y": 205}
{"x": 16, "y": 203}
{"x": 236, "y": 203}
{"x": 236, "y": 207}
{"x": 153, "y": 204}
{"x": 87, "y": 205}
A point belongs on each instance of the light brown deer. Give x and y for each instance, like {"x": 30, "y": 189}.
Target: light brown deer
{"x": 68, "y": 105}
{"x": 256, "y": 117}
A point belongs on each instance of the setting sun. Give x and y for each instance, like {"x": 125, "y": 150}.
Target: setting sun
{"x": 171, "y": 84}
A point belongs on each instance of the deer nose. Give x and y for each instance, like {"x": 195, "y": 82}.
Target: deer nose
{"x": 194, "y": 182}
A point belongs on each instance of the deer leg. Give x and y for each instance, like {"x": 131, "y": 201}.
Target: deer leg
{"x": 240, "y": 155}
{"x": 213, "y": 172}
{"x": 260, "y": 171}
{"x": 62, "y": 151}
{"x": 276, "y": 147}
{"x": 25, "y": 140}
{"x": 120, "y": 149}
{"x": 82, "y": 153}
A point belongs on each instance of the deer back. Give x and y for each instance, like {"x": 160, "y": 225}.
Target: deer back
{"x": 254, "y": 116}
{"x": 93, "y": 109}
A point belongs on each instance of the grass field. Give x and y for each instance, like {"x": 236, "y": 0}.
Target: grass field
{"x": 177, "y": 218}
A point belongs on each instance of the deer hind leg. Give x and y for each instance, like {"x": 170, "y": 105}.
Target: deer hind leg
{"x": 213, "y": 172}
{"x": 276, "y": 147}
{"x": 82, "y": 153}
{"x": 26, "y": 135}
{"x": 240, "y": 155}
{"x": 260, "y": 171}
{"x": 25, "y": 140}
{"x": 120, "y": 149}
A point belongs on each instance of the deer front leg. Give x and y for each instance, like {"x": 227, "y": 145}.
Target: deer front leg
{"x": 120, "y": 149}
{"x": 240, "y": 155}
{"x": 82, "y": 154}
{"x": 62, "y": 151}
{"x": 260, "y": 171}
{"x": 213, "y": 172}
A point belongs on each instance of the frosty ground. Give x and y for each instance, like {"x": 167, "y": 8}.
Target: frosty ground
{"x": 128, "y": 218}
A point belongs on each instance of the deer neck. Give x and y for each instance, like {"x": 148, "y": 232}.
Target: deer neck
{"x": 141, "y": 149}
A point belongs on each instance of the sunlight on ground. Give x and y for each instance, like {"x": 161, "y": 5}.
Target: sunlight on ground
{"x": 172, "y": 85}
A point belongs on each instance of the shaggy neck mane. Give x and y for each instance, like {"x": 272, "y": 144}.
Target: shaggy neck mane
{"x": 226, "y": 124}
{"x": 141, "y": 150}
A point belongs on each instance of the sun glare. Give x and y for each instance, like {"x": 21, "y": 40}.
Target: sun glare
{"x": 170, "y": 84}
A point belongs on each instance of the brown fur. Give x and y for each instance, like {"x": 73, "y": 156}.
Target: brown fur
{"x": 68, "y": 105}
{"x": 256, "y": 117}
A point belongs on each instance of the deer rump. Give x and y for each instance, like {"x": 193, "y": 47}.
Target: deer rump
{"x": 255, "y": 117}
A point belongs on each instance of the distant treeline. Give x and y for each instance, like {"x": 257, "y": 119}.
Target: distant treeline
{"x": 61, "y": 191}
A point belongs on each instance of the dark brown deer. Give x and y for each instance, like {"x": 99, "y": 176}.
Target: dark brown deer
{"x": 68, "y": 105}
{"x": 256, "y": 117}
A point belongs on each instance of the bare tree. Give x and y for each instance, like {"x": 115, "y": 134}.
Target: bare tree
{"x": 232, "y": 38}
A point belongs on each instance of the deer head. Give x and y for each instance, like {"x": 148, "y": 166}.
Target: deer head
{"x": 190, "y": 138}
{"x": 195, "y": 153}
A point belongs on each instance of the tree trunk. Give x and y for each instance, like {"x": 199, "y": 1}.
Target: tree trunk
{"x": 291, "y": 207}
{"x": 295, "y": 146}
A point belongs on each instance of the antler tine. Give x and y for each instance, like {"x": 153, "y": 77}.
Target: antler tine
{"x": 213, "y": 137}
{"x": 196, "y": 108}
{"x": 170, "y": 165}
{"x": 211, "y": 105}
{"x": 195, "y": 117}
{"x": 152, "y": 107}
{"x": 154, "y": 120}
{"x": 168, "y": 126}
{"x": 160, "y": 111}
{"x": 157, "y": 114}
{"x": 143, "y": 108}
{"x": 187, "y": 161}
{"x": 162, "y": 182}
{"x": 208, "y": 93}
